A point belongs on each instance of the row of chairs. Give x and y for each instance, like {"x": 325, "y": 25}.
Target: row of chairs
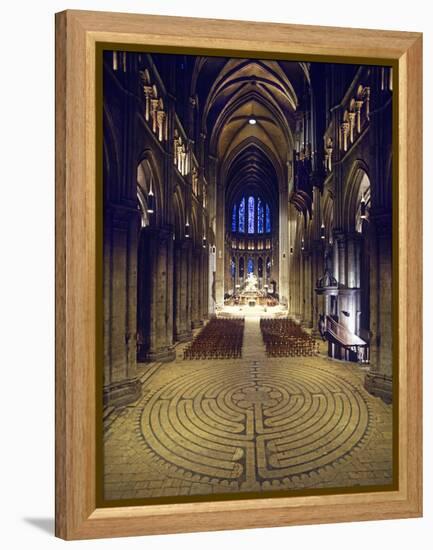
{"x": 286, "y": 338}
{"x": 219, "y": 339}
{"x": 292, "y": 347}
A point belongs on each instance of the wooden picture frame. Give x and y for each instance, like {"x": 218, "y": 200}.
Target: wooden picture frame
{"x": 77, "y": 292}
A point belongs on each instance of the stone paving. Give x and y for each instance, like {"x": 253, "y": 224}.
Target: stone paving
{"x": 249, "y": 424}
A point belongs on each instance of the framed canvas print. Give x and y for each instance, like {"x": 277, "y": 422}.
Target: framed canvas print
{"x": 238, "y": 274}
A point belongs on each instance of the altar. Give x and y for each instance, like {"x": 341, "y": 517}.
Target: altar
{"x": 250, "y": 293}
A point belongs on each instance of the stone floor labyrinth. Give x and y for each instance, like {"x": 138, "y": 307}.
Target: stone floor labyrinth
{"x": 205, "y": 427}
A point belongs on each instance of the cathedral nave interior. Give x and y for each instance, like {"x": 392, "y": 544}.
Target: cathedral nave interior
{"x": 247, "y": 275}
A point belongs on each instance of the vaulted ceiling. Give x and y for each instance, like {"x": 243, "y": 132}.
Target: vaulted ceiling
{"x": 233, "y": 91}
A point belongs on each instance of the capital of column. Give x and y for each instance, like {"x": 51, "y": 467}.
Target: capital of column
{"x": 148, "y": 92}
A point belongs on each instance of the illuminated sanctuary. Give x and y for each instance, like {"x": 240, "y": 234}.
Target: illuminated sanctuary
{"x": 247, "y": 274}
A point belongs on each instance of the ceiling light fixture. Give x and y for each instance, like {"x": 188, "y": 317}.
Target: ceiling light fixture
{"x": 252, "y": 121}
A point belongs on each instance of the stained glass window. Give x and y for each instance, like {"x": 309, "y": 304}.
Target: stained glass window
{"x": 242, "y": 215}
{"x": 250, "y": 265}
{"x": 251, "y": 215}
{"x": 234, "y": 219}
{"x": 233, "y": 268}
{"x": 260, "y": 216}
{"x": 268, "y": 219}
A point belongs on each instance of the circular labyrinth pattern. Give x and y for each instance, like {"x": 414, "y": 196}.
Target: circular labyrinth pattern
{"x": 252, "y": 424}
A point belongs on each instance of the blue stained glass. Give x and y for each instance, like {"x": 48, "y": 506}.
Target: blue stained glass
{"x": 260, "y": 216}
{"x": 234, "y": 219}
{"x": 268, "y": 219}
{"x": 250, "y": 266}
{"x": 242, "y": 215}
{"x": 251, "y": 215}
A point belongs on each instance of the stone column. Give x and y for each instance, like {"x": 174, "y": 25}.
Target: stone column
{"x": 177, "y": 283}
{"x": 220, "y": 244}
{"x": 156, "y": 321}
{"x": 195, "y": 291}
{"x": 211, "y": 281}
{"x": 317, "y": 272}
{"x": 350, "y": 267}
{"x": 283, "y": 246}
{"x": 205, "y": 282}
{"x": 228, "y": 280}
{"x": 187, "y": 270}
{"x": 335, "y": 259}
{"x": 341, "y": 243}
{"x": 159, "y": 300}
{"x": 353, "y": 268}
{"x": 316, "y": 255}
{"x": 121, "y": 385}
{"x": 162, "y": 298}
{"x": 181, "y": 331}
{"x": 300, "y": 285}
{"x": 306, "y": 298}
{"x": 169, "y": 303}
{"x": 296, "y": 285}
{"x": 200, "y": 283}
{"x": 379, "y": 380}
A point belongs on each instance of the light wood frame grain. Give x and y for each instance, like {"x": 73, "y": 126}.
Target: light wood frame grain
{"x": 77, "y": 33}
